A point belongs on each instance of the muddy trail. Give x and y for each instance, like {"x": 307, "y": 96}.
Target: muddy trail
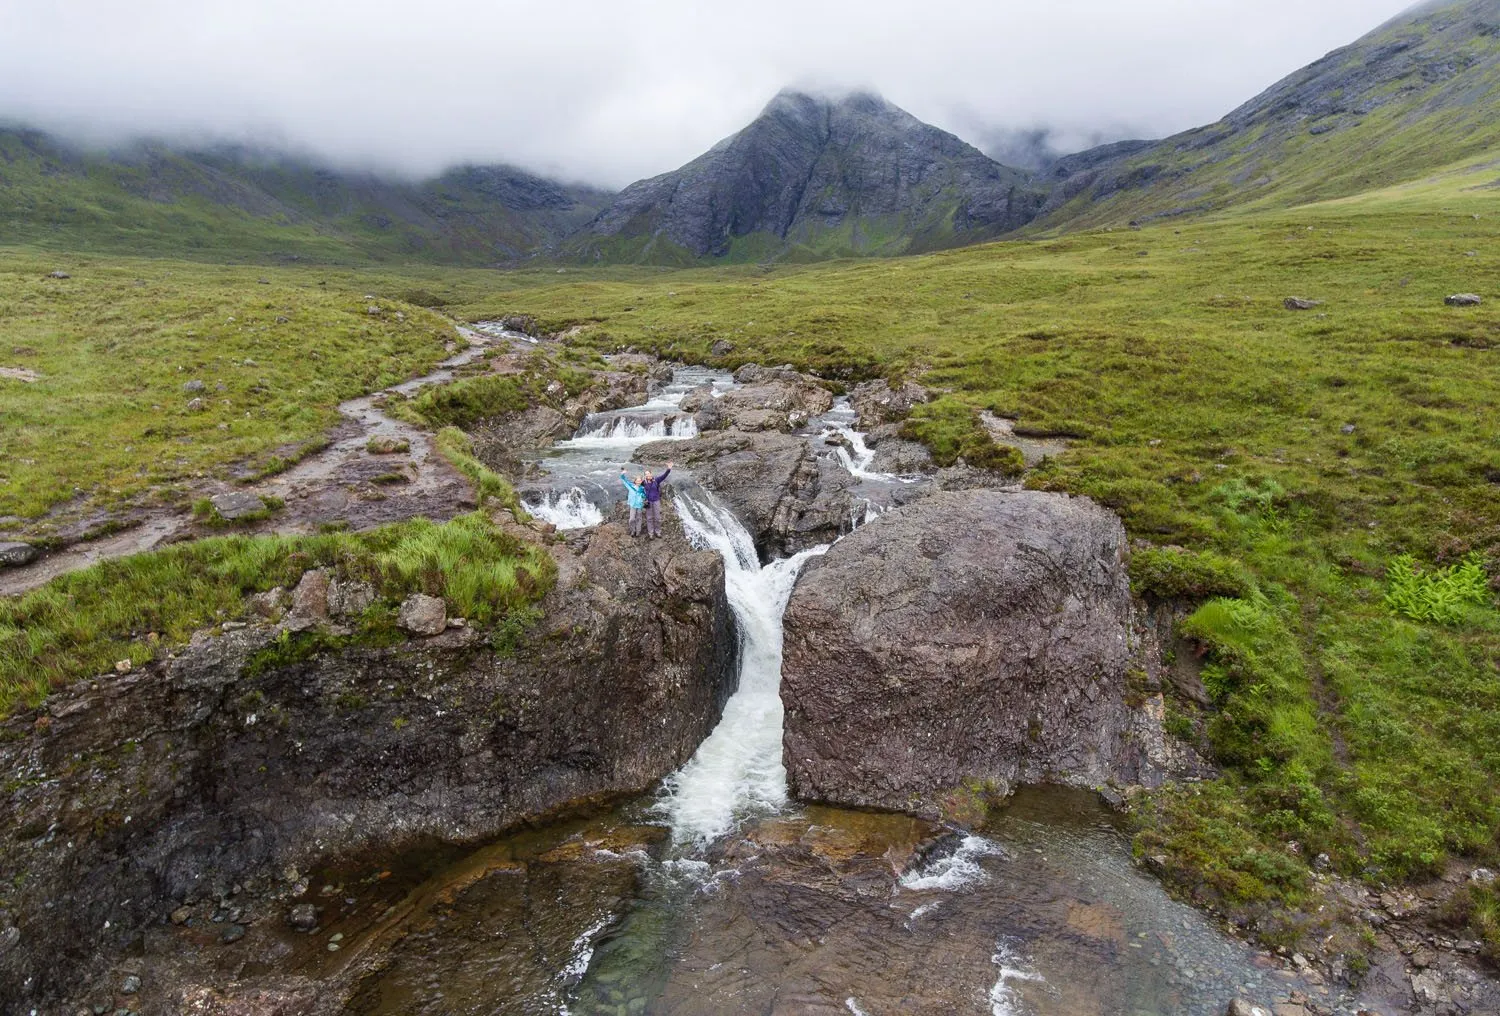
{"x": 374, "y": 470}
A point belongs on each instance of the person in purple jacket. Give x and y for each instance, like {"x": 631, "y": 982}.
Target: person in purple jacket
{"x": 652, "y": 486}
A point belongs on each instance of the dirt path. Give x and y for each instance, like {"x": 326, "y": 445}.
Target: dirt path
{"x": 342, "y": 484}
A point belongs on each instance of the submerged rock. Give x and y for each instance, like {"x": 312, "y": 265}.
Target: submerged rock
{"x": 966, "y": 643}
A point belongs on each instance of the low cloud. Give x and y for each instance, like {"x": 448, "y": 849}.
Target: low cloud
{"x": 608, "y": 92}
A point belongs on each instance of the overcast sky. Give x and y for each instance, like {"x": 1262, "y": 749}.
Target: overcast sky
{"x": 608, "y": 91}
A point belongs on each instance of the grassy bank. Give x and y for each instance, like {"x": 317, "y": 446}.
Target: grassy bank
{"x": 138, "y": 608}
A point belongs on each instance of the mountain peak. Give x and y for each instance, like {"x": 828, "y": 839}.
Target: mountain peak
{"x": 824, "y": 176}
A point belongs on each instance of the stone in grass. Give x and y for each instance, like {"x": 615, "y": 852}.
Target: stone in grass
{"x": 13, "y": 555}
{"x": 194, "y": 386}
{"x": 309, "y": 601}
{"x": 237, "y": 505}
{"x": 58, "y": 275}
{"x": 1301, "y": 303}
{"x": 423, "y": 615}
{"x": 386, "y": 444}
{"x": 196, "y": 406}
{"x": 1464, "y": 300}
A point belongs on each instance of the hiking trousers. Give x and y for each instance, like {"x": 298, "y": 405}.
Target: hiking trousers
{"x": 653, "y": 518}
{"x": 635, "y": 520}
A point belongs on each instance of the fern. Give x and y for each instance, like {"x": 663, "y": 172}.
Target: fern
{"x": 1441, "y": 596}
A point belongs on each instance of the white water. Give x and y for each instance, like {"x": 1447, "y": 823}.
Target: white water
{"x": 738, "y": 770}
{"x": 956, "y": 871}
{"x": 572, "y": 510}
{"x": 623, "y": 432}
{"x": 1003, "y": 998}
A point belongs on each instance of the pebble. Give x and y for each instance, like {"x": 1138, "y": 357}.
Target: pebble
{"x": 333, "y": 947}
{"x": 130, "y": 985}
{"x": 233, "y": 933}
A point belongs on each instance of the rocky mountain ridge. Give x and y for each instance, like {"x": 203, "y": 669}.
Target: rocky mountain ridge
{"x": 854, "y": 175}
{"x": 811, "y": 177}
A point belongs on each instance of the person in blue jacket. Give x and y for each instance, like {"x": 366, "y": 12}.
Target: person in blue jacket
{"x": 652, "y": 486}
{"x": 635, "y": 496}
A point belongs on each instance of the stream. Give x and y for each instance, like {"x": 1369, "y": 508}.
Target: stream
{"x": 717, "y": 894}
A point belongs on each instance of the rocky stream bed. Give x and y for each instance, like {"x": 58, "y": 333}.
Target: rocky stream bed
{"x": 645, "y": 806}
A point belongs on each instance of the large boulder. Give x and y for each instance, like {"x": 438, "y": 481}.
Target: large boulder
{"x": 254, "y": 755}
{"x": 787, "y": 496}
{"x": 876, "y": 402}
{"x": 772, "y": 398}
{"x": 969, "y": 642}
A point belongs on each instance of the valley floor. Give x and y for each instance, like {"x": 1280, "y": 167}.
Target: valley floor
{"x": 1314, "y": 495}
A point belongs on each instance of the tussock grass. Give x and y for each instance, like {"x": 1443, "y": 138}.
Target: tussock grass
{"x": 139, "y": 607}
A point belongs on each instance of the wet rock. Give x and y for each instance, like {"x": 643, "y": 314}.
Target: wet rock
{"x": 9, "y": 938}
{"x": 787, "y": 497}
{"x": 303, "y": 917}
{"x": 423, "y": 615}
{"x": 772, "y": 398}
{"x": 349, "y": 597}
{"x": 1464, "y": 300}
{"x": 387, "y": 444}
{"x": 236, "y": 505}
{"x": 903, "y": 458}
{"x": 1301, "y": 303}
{"x": 13, "y": 555}
{"x": 1427, "y": 986}
{"x": 194, "y": 386}
{"x": 876, "y": 402}
{"x": 976, "y": 639}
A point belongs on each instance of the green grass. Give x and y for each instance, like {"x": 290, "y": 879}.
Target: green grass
{"x": 140, "y": 607}
{"x": 110, "y": 419}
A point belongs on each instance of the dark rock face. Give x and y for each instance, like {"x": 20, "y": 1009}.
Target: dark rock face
{"x": 135, "y": 794}
{"x": 781, "y": 491}
{"x": 807, "y": 167}
{"x": 974, "y": 638}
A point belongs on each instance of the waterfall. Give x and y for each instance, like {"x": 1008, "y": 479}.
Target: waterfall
{"x": 610, "y": 431}
{"x": 738, "y": 770}
{"x": 571, "y": 510}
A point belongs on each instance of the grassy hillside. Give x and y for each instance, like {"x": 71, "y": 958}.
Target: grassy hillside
{"x": 1414, "y": 95}
{"x": 235, "y": 205}
{"x": 107, "y": 418}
